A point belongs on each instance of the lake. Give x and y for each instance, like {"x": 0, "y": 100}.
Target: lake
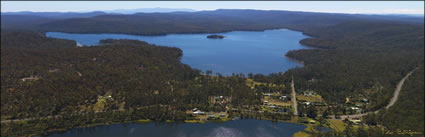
{"x": 239, "y": 52}
{"x": 234, "y": 128}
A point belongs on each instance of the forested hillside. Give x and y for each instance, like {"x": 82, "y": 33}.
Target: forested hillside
{"x": 22, "y": 22}
{"x": 204, "y": 22}
{"x": 366, "y": 60}
{"x": 354, "y": 56}
{"x": 30, "y": 20}
{"x": 48, "y": 77}
{"x": 408, "y": 113}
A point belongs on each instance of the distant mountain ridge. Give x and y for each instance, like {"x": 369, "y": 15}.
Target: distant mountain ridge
{"x": 96, "y": 13}
{"x": 148, "y": 10}
{"x": 61, "y": 15}
{"x": 159, "y": 23}
{"x": 221, "y": 20}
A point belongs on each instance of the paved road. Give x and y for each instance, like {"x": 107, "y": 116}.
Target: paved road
{"x": 398, "y": 88}
{"x": 392, "y": 102}
{"x": 294, "y": 98}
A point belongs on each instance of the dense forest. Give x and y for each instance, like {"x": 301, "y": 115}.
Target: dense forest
{"x": 353, "y": 59}
{"x": 352, "y": 56}
{"x": 50, "y": 77}
{"x": 349, "y": 61}
{"x": 404, "y": 119}
{"x": 128, "y": 70}
{"x": 221, "y": 20}
{"x": 408, "y": 113}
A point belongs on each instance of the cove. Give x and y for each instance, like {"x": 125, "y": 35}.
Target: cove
{"x": 239, "y": 52}
{"x": 234, "y": 128}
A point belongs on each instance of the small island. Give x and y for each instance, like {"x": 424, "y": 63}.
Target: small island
{"x": 215, "y": 36}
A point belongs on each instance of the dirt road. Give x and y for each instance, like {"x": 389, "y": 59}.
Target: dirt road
{"x": 294, "y": 98}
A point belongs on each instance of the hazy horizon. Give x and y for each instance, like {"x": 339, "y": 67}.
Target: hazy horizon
{"x": 350, "y": 7}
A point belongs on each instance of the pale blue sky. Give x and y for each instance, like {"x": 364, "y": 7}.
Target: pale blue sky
{"x": 370, "y": 7}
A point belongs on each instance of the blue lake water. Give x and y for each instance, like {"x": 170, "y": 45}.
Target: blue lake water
{"x": 235, "y": 128}
{"x": 239, "y": 52}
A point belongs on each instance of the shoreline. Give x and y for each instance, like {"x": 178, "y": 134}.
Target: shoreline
{"x": 165, "y": 34}
{"x": 307, "y": 130}
{"x": 299, "y": 63}
{"x": 63, "y": 130}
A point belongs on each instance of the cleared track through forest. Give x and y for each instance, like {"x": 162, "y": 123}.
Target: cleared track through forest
{"x": 392, "y": 101}
{"x": 294, "y": 98}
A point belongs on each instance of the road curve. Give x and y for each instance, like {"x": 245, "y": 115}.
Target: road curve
{"x": 392, "y": 101}
{"x": 398, "y": 89}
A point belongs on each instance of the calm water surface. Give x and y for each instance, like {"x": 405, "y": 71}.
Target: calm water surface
{"x": 235, "y": 128}
{"x": 240, "y": 52}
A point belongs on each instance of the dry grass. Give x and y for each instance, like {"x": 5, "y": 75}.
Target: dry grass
{"x": 337, "y": 125}
{"x": 194, "y": 121}
{"x": 143, "y": 121}
{"x": 301, "y": 134}
{"x": 251, "y": 83}
{"x": 279, "y": 103}
{"x": 314, "y": 98}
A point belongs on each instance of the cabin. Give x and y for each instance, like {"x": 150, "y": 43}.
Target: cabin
{"x": 267, "y": 94}
{"x": 53, "y": 70}
{"x": 347, "y": 100}
{"x": 308, "y": 93}
{"x": 221, "y": 100}
{"x": 356, "y": 109}
{"x": 307, "y": 103}
{"x": 312, "y": 80}
{"x": 211, "y": 116}
{"x": 273, "y": 106}
{"x": 30, "y": 78}
{"x": 79, "y": 74}
{"x": 355, "y": 121}
{"x": 283, "y": 98}
{"x": 198, "y": 112}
